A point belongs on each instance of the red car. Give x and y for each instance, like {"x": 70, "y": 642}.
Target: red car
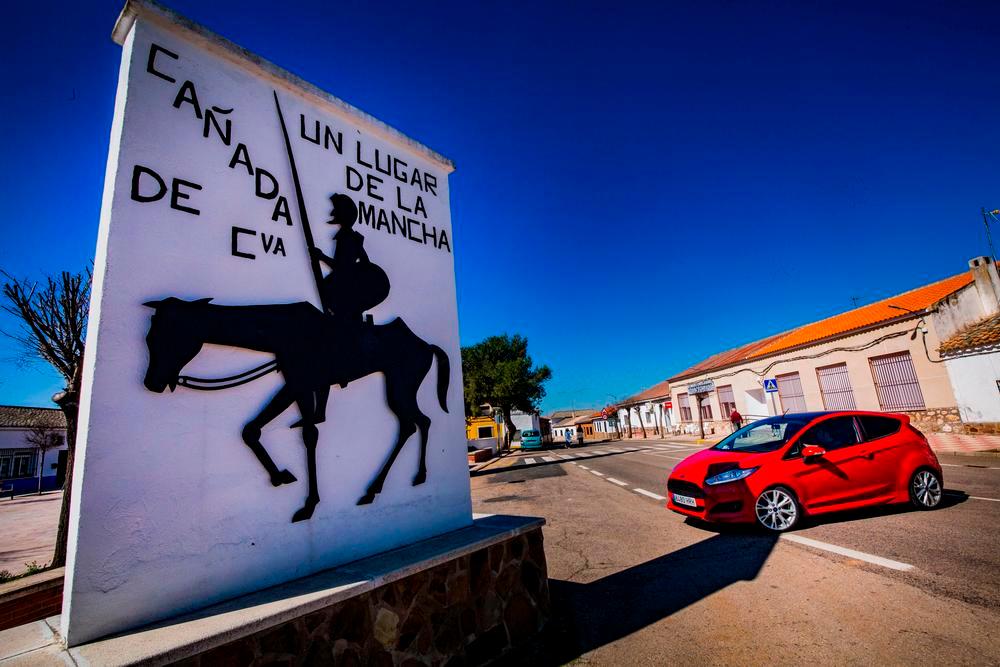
{"x": 778, "y": 469}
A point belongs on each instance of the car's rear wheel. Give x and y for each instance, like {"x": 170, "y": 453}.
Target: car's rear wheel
{"x": 926, "y": 489}
{"x": 776, "y": 509}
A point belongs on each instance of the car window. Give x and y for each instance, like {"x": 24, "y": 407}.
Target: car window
{"x": 878, "y": 427}
{"x": 766, "y": 435}
{"x": 831, "y": 434}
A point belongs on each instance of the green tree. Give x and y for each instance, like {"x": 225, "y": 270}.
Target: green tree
{"x": 499, "y": 371}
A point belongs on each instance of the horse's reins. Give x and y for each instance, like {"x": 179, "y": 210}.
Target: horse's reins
{"x": 214, "y": 384}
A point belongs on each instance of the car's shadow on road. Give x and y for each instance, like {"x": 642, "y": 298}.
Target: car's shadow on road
{"x": 951, "y": 498}
{"x": 586, "y": 616}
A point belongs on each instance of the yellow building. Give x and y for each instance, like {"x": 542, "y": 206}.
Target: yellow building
{"x": 482, "y": 427}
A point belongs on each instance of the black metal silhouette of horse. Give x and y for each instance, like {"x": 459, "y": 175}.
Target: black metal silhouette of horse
{"x": 311, "y": 354}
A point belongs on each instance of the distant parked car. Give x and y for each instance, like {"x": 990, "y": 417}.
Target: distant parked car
{"x": 776, "y": 470}
{"x": 531, "y": 439}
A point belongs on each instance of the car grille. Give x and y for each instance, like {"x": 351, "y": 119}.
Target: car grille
{"x": 685, "y": 488}
{"x": 727, "y": 507}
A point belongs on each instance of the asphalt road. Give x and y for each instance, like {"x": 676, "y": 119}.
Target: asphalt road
{"x": 633, "y": 582}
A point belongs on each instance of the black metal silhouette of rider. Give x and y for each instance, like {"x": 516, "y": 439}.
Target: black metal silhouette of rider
{"x": 354, "y": 283}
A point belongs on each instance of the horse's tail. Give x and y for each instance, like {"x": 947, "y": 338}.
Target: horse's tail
{"x": 444, "y": 375}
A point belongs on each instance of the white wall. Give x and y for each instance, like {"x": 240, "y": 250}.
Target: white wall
{"x": 523, "y": 421}
{"x": 171, "y": 511}
{"x": 974, "y": 380}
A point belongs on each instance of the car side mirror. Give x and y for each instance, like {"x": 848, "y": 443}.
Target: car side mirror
{"x": 809, "y": 451}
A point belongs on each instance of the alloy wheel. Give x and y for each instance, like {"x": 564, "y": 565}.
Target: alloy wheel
{"x": 776, "y": 509}
{"x": 927, "y": 488}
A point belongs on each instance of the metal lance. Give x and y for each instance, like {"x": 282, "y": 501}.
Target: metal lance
{"x": 317, "y": 272}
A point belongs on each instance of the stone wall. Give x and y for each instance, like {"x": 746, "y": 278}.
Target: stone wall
{"x": 468, "y": 611}
{"x": 939, "y": 420}
{"x": 31, "y": 598}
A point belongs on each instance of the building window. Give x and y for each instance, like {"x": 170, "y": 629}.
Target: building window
{"x": 835, "y": 387}
{"x": 485, "y": 431}
{"x": 727, "y": 402}
{"x": 790, "y": 391}
{"x": 896, "y": 382}
{"x": 706, "y": 406}
{"x": 685, "y": 406}
{"x": 14, "y": 464}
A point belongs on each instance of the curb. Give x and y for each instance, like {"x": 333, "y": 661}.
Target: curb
{"x": 991, "y": 453}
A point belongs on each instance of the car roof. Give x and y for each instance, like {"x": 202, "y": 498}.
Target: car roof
{"x": 828, "y": 413}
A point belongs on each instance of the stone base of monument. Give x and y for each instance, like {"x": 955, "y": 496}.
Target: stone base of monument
{"x": 473, "y": 594}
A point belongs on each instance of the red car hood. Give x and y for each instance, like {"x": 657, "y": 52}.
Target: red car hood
{"x": 709, "y": 462}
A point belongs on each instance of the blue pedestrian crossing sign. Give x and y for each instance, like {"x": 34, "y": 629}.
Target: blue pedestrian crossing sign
{"x": 770, "y": 385}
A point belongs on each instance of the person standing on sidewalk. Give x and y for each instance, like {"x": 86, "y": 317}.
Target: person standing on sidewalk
{"x": 737, "y": 419}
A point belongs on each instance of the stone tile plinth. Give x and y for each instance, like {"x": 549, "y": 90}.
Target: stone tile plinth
{"x": 468, "y": 596}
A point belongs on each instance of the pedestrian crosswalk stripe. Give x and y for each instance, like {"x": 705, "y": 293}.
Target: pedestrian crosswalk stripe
{"x": 550, "y": 459}
{"x": 529, "y": 461}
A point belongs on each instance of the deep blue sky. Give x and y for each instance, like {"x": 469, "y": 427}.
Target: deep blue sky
{"x": 637, "y": 187}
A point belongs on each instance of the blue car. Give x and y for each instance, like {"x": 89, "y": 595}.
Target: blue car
{"x": 531, "y": 439}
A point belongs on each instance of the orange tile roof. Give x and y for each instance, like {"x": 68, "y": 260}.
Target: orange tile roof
{"x": 660, "y": 389}
{"x": 916, "y": 300}
{"x": 980, "y": 334}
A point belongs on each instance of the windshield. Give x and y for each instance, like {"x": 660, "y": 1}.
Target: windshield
{"x": 766, "y": 435}
{"x": 529, "y": 434}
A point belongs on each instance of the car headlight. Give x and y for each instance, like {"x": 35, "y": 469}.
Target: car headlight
{"x": 731, "y": 476}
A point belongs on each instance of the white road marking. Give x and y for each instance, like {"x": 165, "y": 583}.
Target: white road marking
{"x": 616, "y": 481}
{"x": 531, "y": 461}
{"x": 599, "y": 474}
{"x": 549, "y": 459}
{"x": 952, "y": 465}
{"x": 650, "y": 494}
{"x": 584, "y": 467}
{"x": 665, "y": 456}
{"x": 616, "y": 451}
{"x": 850, "y": 553}
{"x": 956, "y": 494}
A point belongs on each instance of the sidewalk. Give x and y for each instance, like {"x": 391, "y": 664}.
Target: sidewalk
{"x": 953, "y": 443}
{"x": 29, "y": 530}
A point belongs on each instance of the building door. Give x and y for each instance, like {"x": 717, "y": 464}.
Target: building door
{"x": 790, "y": 391}
{"x": 61, "y": 468}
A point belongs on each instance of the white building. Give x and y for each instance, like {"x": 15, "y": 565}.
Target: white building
{"x": 21, "y": 457}
{"x": 646, "y": 414}
{"x": 972, "y": 357}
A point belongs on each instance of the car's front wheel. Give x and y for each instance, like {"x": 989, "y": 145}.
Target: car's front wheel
{"x": 776, "y": 509}
{"x": 926, "y": 489}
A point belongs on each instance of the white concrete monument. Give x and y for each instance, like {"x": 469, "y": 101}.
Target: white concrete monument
{"x": 260, "y": 401}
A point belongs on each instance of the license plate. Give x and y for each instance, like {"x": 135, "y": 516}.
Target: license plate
{"x": 685, "y": 500}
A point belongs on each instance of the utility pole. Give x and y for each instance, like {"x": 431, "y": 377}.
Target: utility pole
{"x": 986, "y": 223}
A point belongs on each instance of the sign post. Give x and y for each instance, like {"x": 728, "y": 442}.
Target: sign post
{"x": 700, "y": 391}
{"x": 771, "y": 387}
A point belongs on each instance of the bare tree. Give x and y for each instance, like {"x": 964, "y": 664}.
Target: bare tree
{"x": 52, "y": 326}
{"x": 43, "y": 438}
{"x": 638, "y": 414}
